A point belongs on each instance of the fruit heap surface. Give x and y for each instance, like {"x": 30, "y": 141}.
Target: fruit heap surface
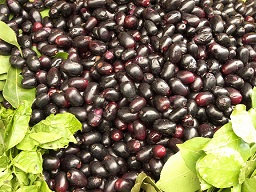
{"x": 140, "y": 75}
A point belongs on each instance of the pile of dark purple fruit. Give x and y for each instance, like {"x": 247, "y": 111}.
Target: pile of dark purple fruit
{"x": 141, "y": 76}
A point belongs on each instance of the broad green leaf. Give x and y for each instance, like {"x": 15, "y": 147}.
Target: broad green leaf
{"x": 27, "y": 144}
{"x": 246, "y": 170}
{"x": 4, "y": 64}
{"x": 203, "y": 184}
{"x": 225, "y": 137}
{"x": 22, "y": 177}
{"x": 43, "y": 137}
{"x": 63, "y": 55}
{"x": 44, "y": 187}
{"x": 221, "y": 168}
{"x": 8, "y": 35}
{"x": 29, "y": 162}
{"x": 64, "y": 125}
{"x": 29, "y": 188}
{"x": 2, "y": 83}
{"x": 2, "y": 1}
{"x": 253, "y": 97}
{"x": 18, "y": 127}
{"x": 236, "y": 188}
{"x": 147, "y": 187}
{"x": 176, "y": 176}
{"x": 249, "y": 184}
{"x": 13, "y": 92}
{"x": 242, "y": 124}
{"x": 191, "y": 151}
{"x": 252, "y": 113}
{"x": 4, "y": 162}
{"x": 45, "y": 13}
{"x": 3, "y": 76}
{"x": 5, "y": 177}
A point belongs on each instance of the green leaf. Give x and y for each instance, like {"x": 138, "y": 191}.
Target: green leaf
{"x": 246, "y": 170}
{"x": 2, "y": 1}
{"x": 176, "y": 176}
{"x": 203, "y": 184}
{"x": 29, "y": 188}
{"x": 5, "y": 178}
{"x": 18, "y": 127}
{"x": 2, "y": 83}
{"x": 22, "y": 177}
{"x": 29, "y": 162}
{"x": 147, "y": 187}
{"x": 27, "y": 144}
{"x": 36, "y": 50}
{"x": 242, "y": 124}
{"x": 253, "y": 97}
{"x": 43, "y": 137}
{"x": 225, "y": 137}
{"x": 249, "y": 184}
{"x": 13, "y": 92}
{"x": 252, "y": 113}
{"x": 236, "y": 188}
{"x": 45, "y": 13}
{"x": 63, "y": 55}
{"x": 8, "y": 35}
{"x": 144, "y": 182}
{"x": 4, "y": 162}
{"x": 4, "y": 75}
{"x": 191, "y": 150}
{"x": 4, "y": 64}
{"x": 44, "y": 187}
{"x": 64, "y": 125}
{"x": 221, "y": 168}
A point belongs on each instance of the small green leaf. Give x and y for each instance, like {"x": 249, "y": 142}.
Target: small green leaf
{"x": 63, "y": 55}
{"x": 5, "y": 178}
{"x": 4, "y": 64}
{"x": 45, "y": 13}
{"x": 36, "y": 50}
{"x": 221, "y": 168}
{"x": 176, "y": 176}
{"x": 2, "y": 83}
{"x": 64, "y": 125}
{"x": 252, "y": 113}
{"x": 236, "y": 188}
{"x": 144, "y": 182}
{"x": 225, "y": 137}
{"x": 29, "y": 188}
{"x": 44, "y": 187}
{"x": 43, "y": 137}
{"x": 191, "y": 150}
{"x": 27, "y": 144}
{"x": 18, "y": 127}
{"x": 29, "y": 162}
{"x": 249, "y": 184}
{"x": 22, "y": 177}
{"x": 13, "y": 92}
{"x": 253, "y": 97}
{"x": 4, "y": 162}
{"x": 8, "y": 35}
{"x": 246, "y": 170}
{"x": 242, "y": 124}
{"x": 3, "y": 76}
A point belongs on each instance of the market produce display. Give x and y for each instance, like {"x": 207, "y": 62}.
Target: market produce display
{"x": 99, "y": 91}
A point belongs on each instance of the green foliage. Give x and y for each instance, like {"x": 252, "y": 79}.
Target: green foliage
{"x": 8, "y": 35}
{"x": 22, "y": 146}
{"x": 13, "y": 92}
